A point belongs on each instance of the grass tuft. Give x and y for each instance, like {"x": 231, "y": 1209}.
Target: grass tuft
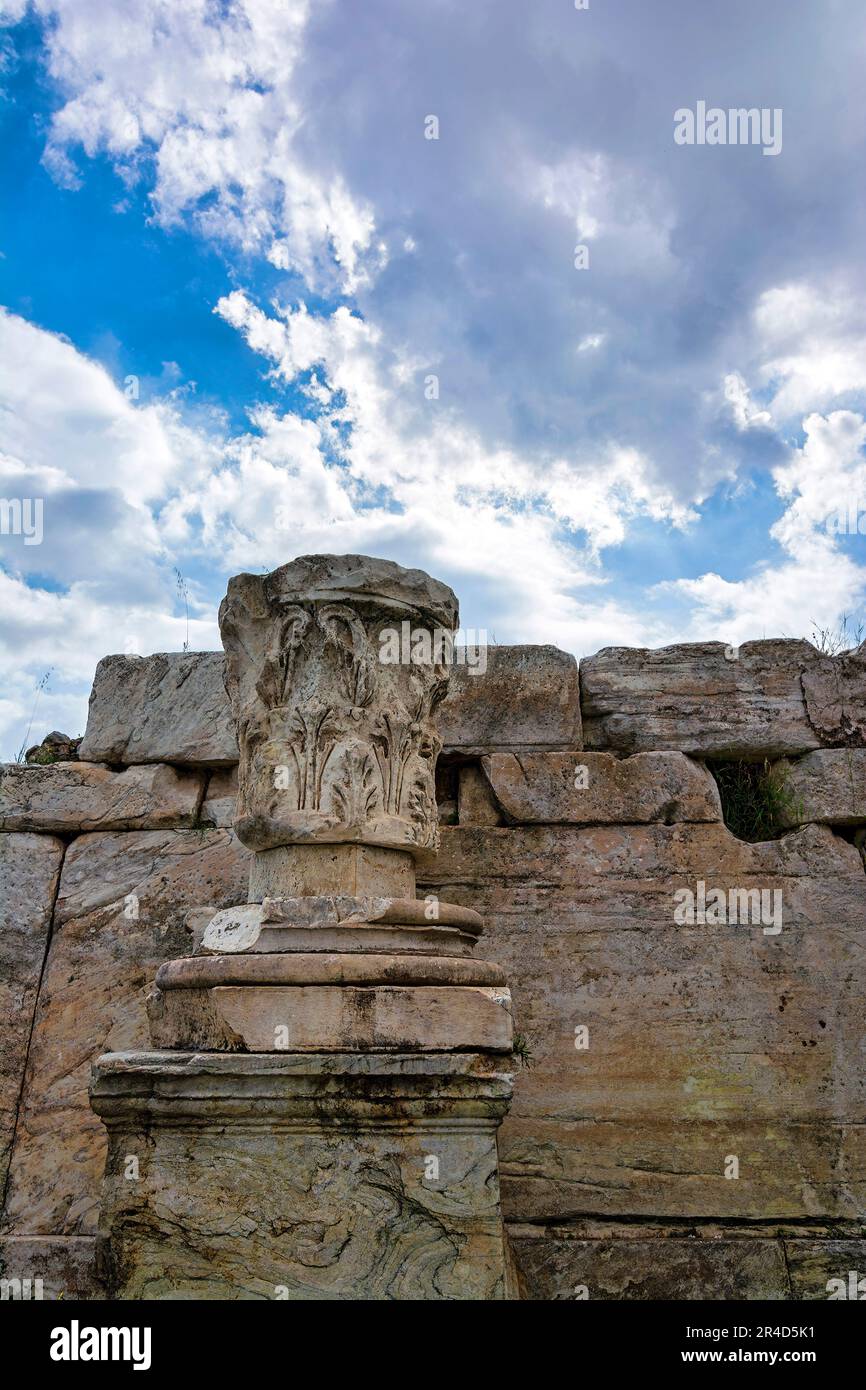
{"x": 757, "y": 803}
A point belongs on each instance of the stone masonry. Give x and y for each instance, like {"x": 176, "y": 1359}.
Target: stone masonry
{"x": 319, "y": 1117}
{"x": 575, "y": 810}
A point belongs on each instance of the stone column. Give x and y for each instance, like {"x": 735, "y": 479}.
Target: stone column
{"x": 320, "y": 1120}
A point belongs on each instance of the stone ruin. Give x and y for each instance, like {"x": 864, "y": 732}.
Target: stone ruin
{"x": 260, "y": 933}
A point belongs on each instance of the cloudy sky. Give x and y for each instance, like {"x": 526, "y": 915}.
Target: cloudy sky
{"x": 252, "y": 310}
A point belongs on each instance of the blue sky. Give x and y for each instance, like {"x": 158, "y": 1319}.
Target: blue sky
{"x": 232, "y": 263}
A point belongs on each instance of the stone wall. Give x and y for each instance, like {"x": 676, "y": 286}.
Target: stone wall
{"x": 656, "y": 1050}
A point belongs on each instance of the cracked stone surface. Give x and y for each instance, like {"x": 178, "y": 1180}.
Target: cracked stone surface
{"x": 170, "y": 707}
{"x": 29, "y": 873}
{"x": 75, "y": 798}
{"x": 120, "y": 912}
{"x": 272, "y": 1205}
{"x": 835, "y": 694}
{"x": 827, "y": 786}
{"x": 702, "y": 1041}
{"x": 598, "y": 788}
{"x": 702, "y": 698}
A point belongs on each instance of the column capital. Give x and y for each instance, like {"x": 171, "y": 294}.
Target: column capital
{"x": 334, "y": 666}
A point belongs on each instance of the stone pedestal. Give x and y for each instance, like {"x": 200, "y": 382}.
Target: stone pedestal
{"x": 301, "y": 1176}
{"x": 320, "y": 1120}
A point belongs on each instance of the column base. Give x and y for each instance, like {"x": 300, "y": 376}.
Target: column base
{"x": 301, "y": 1175}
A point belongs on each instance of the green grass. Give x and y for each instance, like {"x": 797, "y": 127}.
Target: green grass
{"x": 522, "y": 1050}
{"x": 756, "y": 800}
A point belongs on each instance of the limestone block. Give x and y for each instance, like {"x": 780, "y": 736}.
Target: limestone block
{"x": 29, "y": 872}
{"x": 120, "y": 913}
{"x": 170, "y": 707}
{"x": 325, "y": 968}
{"x": 701, "y": 698}
{"x": 835, "y": 692}
{"x": 476, "y": 804}
{"x": 561, "y": 1268}
{"x": 828, "y": 786}
{"x": 701, "y": 1041}
{"x": 303, "y": 1177}
{"x": 64, "y": 1265}
{"x": 312, "y": 870}
{"x": 667, "y": 1170}
{"x": 332, "y": 1018}
{"x": 528, "y": 697}
{"x": 599, "y": 878}
{"x": 600, "y": 789}
{"x": 286, "y": 924}
{"x": 221, "y": 798}
{"x": 79, "y": 797}
{"x": 813, "y": 1264}
{"x": 772, "y": 699}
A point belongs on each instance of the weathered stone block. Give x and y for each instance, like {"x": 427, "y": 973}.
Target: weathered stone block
{"x": 221, "y": 798}
{"x": 827, "y": 786}
{"x": 476, "y": 804}
{"x": 298, "y": 870}
{"x": 597, "y": 878}
{"x": 818, "y": 1267}
{"x": 64, "y": 1265}
{"x": 170, "y": 707}
{"x": 302, "y": 1177}
{"x": 701, "y": 1041}
{"x": 29, "y": 872}
{"x": 667, "y": 1169}
{"x": 835, "y": 692}
{"x": 701, "y": 698}
{"x": 78, "y": 797}
{"x": 600, "y": 789}
{"x": 627, "y": 1269}
{"x": 334, "y": 1018}
{"x": 528, "y": 697}
{"x": 120, "y": 913}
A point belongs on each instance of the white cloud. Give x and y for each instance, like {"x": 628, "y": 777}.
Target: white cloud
{"x": 206, "y": 93}
{"x": 100, "y": 580}
{"x": 572, "y": 405}
{"x": 818, "y": 580}
{"x": 812, "y": 346}
{"x": 50, "y": 391}
{"x": 421, "y": 450}
{"x": 607, "y": 200}
{"x": 130, "y": 491}
{"x": 746, "y": 415}
{"x": 823, "y": 478}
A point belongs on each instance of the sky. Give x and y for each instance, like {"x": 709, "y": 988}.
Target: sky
{"x": 431, "y": 280}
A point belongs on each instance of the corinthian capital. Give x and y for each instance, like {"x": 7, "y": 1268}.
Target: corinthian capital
{"x": 334, "y": 667}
